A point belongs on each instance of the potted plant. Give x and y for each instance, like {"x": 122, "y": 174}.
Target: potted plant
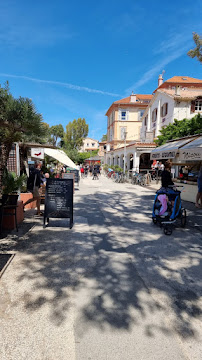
{"x": 11, "y": 184}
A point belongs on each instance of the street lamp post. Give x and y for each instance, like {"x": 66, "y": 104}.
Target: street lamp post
{"x": 125, "y": 134}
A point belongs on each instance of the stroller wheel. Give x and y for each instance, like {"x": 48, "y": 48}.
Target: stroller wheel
{"x": 183, "y": 218}
{"x": 167, "y": 230}
{"x": 154, "y": 220}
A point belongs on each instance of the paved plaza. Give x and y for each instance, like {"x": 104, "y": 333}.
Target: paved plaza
{"x": 114, "y": 287}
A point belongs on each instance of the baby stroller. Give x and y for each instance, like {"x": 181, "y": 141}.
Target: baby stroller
{"x": 167, "y": 209}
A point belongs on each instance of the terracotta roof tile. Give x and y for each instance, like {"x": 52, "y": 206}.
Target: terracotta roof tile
{"x": 188, "y": 93}
{"x": 139, "y": 97}
{"x": 183, "y": 80}
{"x": 175, "y": 80}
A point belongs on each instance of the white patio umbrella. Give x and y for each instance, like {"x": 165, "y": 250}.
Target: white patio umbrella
{"x": 60, "y": 156}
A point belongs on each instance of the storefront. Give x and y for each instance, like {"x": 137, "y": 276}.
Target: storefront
{"x": 186, "y": 157}
{"x": 93, "y": 160}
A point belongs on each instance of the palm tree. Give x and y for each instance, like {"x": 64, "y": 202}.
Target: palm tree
{"x": 19, "y": 121}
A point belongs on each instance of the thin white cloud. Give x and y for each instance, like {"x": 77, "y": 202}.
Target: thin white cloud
{"x": 58, "y": 83}
{"x": 172, "y": 43}
{"x": 180, "y": 49}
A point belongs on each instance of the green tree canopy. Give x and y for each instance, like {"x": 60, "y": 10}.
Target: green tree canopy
{"x": 180, "y": 128}
{"x": 76, "y": 131}
{"x": 197, "y": 52}
{"x": 104, "y": 137}
{"x": 82, "y": 156}
{"x": 56, "y": 132}
{"x": 72, "y": 153}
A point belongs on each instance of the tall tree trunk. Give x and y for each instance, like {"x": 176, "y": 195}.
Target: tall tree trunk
{"x": 4, "y": 155}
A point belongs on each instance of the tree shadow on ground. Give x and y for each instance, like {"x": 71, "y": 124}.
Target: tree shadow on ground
{"x": 153, "y": 257}
{"x": 126, "y": 259}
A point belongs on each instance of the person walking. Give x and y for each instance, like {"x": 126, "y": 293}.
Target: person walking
{"x": 166, "y": 178}
{"x": 33, "y": 184}
{"x": 95, "y": 177}
{"x": 86, "y": 171}
{"x": 199, "y": 194}
{"x": 82, "y": 172}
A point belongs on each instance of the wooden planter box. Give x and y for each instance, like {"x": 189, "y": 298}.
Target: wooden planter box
{"x": 9, "y": 221}
{"x": 26, "y": 196}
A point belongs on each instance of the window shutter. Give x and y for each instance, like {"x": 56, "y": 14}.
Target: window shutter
{"x": 192, "y": 106}
{"x": 119, "y": 117}
{"x": 127, "y": 115}
{"x": 166, "y": 108}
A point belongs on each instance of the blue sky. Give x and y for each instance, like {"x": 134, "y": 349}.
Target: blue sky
{"x": 73, "y": 59}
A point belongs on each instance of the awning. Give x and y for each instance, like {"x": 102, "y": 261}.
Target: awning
{"x": 168, "y": 150}
{"x": 192, "y": 150}
{"x": 94, "y": 158}
{"x": 60, "y": 156}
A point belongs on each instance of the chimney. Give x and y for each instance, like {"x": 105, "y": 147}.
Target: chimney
{"x": 132, "y": 98}
{"x": 177, "y": 90}
{"x": 160, "y": 80}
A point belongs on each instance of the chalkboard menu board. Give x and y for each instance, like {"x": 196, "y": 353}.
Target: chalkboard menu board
{"x": 59, "y": 199}
{"x": 68, "y": 176}
{"x": 76, "y": 174}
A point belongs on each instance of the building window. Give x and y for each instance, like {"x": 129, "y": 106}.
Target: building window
{"x": 123, "y": 115}
{"x": 164, "y": 110}
{"x": 93, "y": 144}
{"x": 140, "y": 114}
{"x": 111, "y": 134}
{"x": 198, "y": 105}
{"x": 87, "y": 144}
{"x": 145, "y": 121}
{"x": 154, "y": 115}
{"x": 123, "y": 131}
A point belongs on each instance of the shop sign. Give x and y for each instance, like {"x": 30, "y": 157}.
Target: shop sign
{"x": 191, "y": 155}
{"x": 163, "y": 155}
{"x": 155, "y": 156}
{"x": 168, "y": 154}
{"x": 37, "y": 153}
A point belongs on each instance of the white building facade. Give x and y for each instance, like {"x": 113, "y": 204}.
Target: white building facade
{"x": 136, "y": 155}
{"x": 171, "y": 101}
{"x": 89, "y": 144}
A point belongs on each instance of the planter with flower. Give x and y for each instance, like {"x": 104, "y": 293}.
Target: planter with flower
{"x": 12, "y": 185}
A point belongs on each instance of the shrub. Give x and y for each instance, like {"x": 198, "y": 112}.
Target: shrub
{"x": 12, "y": 183}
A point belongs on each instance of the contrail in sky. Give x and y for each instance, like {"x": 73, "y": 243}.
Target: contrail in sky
{"x": 66, "y": 85}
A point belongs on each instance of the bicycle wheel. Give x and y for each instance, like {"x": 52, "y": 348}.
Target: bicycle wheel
{"x": 168, "y": 230}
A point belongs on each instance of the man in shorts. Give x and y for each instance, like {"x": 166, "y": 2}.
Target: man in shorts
{"x": 33, "y": 185}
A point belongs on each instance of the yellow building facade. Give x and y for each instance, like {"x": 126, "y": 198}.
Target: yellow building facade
{"x": 125, "y": 119}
